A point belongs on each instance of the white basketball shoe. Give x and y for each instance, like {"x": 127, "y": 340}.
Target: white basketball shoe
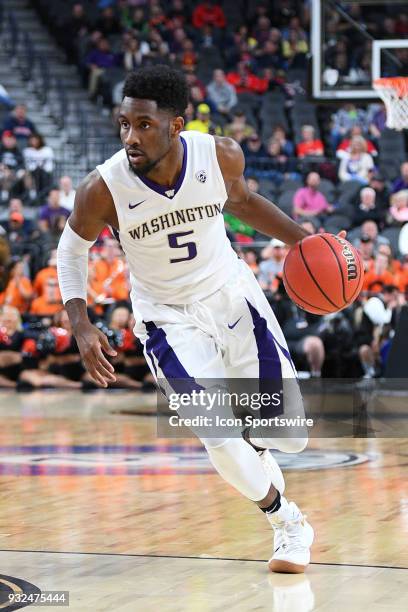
{"x": 272, "y": 469}
{"x": 292, "y": 541}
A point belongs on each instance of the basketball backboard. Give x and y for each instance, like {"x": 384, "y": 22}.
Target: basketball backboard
{"x": 349, "y": 48}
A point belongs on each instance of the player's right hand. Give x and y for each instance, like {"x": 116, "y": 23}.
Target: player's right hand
{"x": 92, "y": 344}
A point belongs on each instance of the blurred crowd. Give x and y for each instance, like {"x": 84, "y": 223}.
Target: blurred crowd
{"x": 325, "y": 170}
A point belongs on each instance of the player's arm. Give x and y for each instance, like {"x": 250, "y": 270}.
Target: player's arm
{"x": 93, "y": 209}
{"x": 248, "y": 206}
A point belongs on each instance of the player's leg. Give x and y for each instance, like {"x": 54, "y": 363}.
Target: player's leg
{"x": 180, "y": 350}
{"x": 258, "y": 350}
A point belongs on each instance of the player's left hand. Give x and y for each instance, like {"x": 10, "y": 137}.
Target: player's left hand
{"x": 342, "y": 234}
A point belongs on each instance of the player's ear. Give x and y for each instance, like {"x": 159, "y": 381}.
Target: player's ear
{"x": 177, "y": 126}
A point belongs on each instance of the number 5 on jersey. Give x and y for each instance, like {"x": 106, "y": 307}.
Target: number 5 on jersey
{"x": 175, "y": 244}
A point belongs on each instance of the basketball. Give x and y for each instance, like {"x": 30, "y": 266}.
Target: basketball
{"x": 323, "y": 273}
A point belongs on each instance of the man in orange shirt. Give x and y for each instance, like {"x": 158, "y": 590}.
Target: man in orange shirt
{"x": 110, "y": 273}
{"x": 43, "y": 275}
{"x": 49, "y": 302}
{"x": 309, "y": 145}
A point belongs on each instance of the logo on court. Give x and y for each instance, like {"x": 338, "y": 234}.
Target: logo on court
{"x": 15, "y": 593}
{"x": 201, "y": 176}
{"x": 147, "y": 459}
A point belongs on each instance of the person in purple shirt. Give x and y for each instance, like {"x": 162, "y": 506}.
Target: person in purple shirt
{"x": 52, "y": 216}
{"x": 18, "y": 124}
{"x": 401, "y": 182}
{"x": 97, "y": 61}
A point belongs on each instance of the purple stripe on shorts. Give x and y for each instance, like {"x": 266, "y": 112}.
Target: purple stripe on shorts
{"x": 270, "y": 368}
{"x": 172, "y": 368}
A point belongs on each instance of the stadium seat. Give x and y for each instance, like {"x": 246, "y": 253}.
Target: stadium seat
{"x": 335, "y": 223}
{"x": 328, "y": 189}
{"x": 285, "y": 201}
{"x": 389, "y": 167}
{"x": 392, "y": 234}
{"x": 290, "y": 185}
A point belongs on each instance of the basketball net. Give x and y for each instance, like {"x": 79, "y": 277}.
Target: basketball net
{"x": 394, "y": 92}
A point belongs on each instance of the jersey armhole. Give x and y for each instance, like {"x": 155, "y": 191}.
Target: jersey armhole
{"x": 218, "y": 169}
{"x": 117, "y": 208}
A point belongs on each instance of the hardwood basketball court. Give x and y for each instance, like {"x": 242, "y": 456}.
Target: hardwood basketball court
{"x": 93, "y": 503}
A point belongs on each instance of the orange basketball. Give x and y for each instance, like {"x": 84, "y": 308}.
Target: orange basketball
{"x": 323, "y": 273}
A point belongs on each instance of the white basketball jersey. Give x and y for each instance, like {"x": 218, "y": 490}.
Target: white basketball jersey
{"x": 174, "y": 239}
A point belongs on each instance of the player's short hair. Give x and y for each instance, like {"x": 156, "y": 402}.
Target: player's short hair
{"x": 166, "y": 86}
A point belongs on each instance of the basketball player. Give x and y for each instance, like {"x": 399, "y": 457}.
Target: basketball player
{"x": 200, "y": 312}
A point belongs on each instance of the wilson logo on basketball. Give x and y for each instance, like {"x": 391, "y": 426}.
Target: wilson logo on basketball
{"x": 350, "y": 261}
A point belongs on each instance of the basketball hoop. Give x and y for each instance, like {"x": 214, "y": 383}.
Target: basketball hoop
{"x": 394, "y": 92}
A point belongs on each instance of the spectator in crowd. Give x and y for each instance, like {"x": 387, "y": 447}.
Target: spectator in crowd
{"x": 398, "y": 212}
{"x": 280, "y": 167}
{"x": 134, "y": 53}
{"x": 72, "y": 32}
{"x": 295, "y": 49}
{"x": 19, "y": 291}
{"x": 395, "y": 264}
{"x": 208, "y": 13}
{"x": 110, "y": 279}
{"x": 369, "y": 229}
{"x": 221, "y": 93}
{"x": 49, "y": 302}
{"x": 269, "y": 56}
{"x": 19, "y": 125}
{"x": 178, "y": 14}
{"x": 272, "y": 258}
{"x": 97, "y": 61}
{"x": 159, "y": 48}
{"x": 286, "y": 145}
{"x": 367, "y": 208}
{"x": 377, "y": 117}
{"x": 251, "y": 259}
{"x": 308, "y": 201}
{"x": 401, "y": 182}
{"x": 16, "y": 207}
{"x": 196, "y": 87}
{"x": 245, "y": 81}
{"x": 58, "y": 363}
{"x": 253, "y": 148}
{"x": 107, "y": 22}
{"x": 45, "y": 274}
{"x": 344, "y": 120}
{"x": 39, "y": 161}
{"x": 301, "y": 331}
{"x": 377, "y": 312}
{"x": 18, "y": 233}
{"x": 344, "y": 146}
{"x": 377, "y": 182}
{"x": 53, "y": 216}
{"x": 66, "y": 193}
{"x": 138, "y": 22}
{"x": 309, "y": 145}
{"x": 188, "y": 57}
{"x": 12, "y": 171}
{"x": 25, "y": 245}
{"x": 357, "y": 163}
{"x": 379, "y": 275}
{"x": 202, "y": 122}
{"x": 239, "y": 129}
{"x": 11, "y": 342}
